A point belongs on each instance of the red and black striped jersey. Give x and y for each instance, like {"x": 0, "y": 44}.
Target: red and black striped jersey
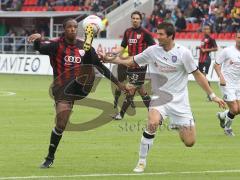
{"x": 206, "y": 43}
{"x": 70, "y": 61}
{"x": 137, "y": 40}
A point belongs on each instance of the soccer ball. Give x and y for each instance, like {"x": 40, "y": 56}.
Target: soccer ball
{"x": 95, "y": 21}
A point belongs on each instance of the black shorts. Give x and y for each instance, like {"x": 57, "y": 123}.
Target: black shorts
{"x": 71, "y": 91}
{"x": 136, "y": 76}
{"x": 204, "y": 67}
{"x": 122, "y": 72}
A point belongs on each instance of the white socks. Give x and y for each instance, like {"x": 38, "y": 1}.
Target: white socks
{"x": 145, "y": 145}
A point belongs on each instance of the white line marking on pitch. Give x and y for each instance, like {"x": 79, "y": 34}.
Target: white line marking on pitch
{"x": 6, "y": 93}
{"x": 140, "y": 174}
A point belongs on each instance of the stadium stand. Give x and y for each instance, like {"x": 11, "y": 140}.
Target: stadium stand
{"x": 188, "y": 15}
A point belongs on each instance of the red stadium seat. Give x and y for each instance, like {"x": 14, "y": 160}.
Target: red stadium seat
{"x": 26, "y": 2}
{"x": 233, "y": 36}
{"x": 228, "y": 35}
{"x": 72, "y": 8}
{"x": 188, "y": 35}
{"x": 221, "y": 36}
{"x": 189, "y": 27}
{"x": 214, "y": 35}
{"x": 192, "y": 27}
{"x": 176, "y": 35}
{"x": 201, "y": 35}
{"x": 182, "y": 35}
{"x": 59, "y": 8}
{"x": 196, "y": 26}
{"x": 77, "y": 8}
{"x": 195, "y": 35}
{"x": 30, "y": 2}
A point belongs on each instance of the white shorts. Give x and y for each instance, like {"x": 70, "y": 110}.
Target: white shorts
{"x": 178, "y": 110}
{"x": 230, "y": 93}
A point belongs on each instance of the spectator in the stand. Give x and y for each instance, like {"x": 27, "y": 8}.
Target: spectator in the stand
{"x": 171, "y": 4}
{"x": 229, "y": 6}
{"x": 59, "y": 2}
{"x": 188, "y": 14}
{"x": 75, "y": 2}
{"x": 228, "y": 21}
{"x": 49, "y": 7}
{"x": 183, "y": 4}
{"x": 156, "y": 11}
{"x": 220, "y": 23}
{"x": 153, "y": 23}
{"x": 197, "y": 13}
{"x": 161, "y": 11}
{"x": 180, "y": 24}
{"x": 103, "y": 33}
{"x": 205, "y": 8}
{"x": 15, "y": 5}
{"x": 95, "y": 6}
{"x": 20, "y": 43}
{"x": 168, "y": 17}
{"x": 145, "y": 22}
{"x": 43, "y": 28}
{"x": 236, "y": 23}
{"x": 9, "y": 40}
{"x": 42, "y": 2}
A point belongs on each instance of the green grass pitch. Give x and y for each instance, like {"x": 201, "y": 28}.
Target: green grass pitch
{"x": 109, "y": 151}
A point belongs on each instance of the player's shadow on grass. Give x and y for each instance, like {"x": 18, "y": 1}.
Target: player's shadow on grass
{"x": 100, "y": 120}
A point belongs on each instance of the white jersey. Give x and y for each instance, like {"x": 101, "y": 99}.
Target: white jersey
{"x": 168, "y": 69}
{"x": 229, "y": 58}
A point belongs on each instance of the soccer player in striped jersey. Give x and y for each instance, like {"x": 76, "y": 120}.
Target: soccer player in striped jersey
{"x": 208, "y": 45}
{"x": 73, "y": 73}
{"x": 171, "y": 62}
{"x": 137, "y": 39}
{"x": 227, "y": 67}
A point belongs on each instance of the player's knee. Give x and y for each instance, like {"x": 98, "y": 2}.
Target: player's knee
{"x": 189, "y": 143}
{"x": 152, "y": 125}
{"x": 61, "y": 126}
{"x": 234, "y": 111}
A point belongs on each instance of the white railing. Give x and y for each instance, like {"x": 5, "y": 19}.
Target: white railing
{"x": 15, "y": 45}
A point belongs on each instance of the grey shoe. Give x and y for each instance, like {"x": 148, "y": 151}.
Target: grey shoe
{"x": 229, "y": 132}
{"x": 221, "y": 119}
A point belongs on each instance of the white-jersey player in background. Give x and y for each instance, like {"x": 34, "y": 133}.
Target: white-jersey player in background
{"x": 169, "y": 63}
{"x": 227, "y": 67}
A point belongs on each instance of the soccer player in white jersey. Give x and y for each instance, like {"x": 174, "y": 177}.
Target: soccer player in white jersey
{"x": 227, "y": 66}
{"x": 173, "y": 62}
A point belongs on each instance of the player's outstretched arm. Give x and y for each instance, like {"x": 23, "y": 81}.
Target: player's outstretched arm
{"x": 112, "y": 58}
{"x": 202, "y": 81}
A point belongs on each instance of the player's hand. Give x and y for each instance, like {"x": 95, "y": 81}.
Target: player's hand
{"x": 222, "y": 82}
{"x": 34, "y": 37}
{"x": 203, "y": 50}
{"x": 130, "y": 89}
{"x": 122, "y": 87}
{"x": 220, "y": 102}
{"x": 106, "y": 57}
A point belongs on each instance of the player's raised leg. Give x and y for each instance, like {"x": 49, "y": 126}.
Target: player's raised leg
{"x": 89, "y": 35}
{"x": 154, "y": 118}
{"x": 63, "y": 111}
